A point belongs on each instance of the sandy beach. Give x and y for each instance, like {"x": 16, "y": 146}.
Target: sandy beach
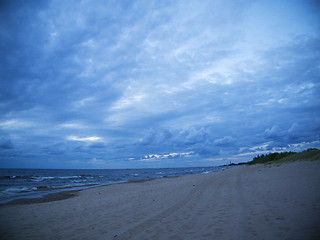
{"x": 247, "y": 202}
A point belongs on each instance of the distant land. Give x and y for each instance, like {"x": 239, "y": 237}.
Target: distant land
{"x": 310, "y": 154}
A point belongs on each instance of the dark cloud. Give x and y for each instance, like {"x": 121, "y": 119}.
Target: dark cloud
{"x": 87, "y": 84}
{"x": 5, "y": 143}
{"x": 225, "y": 141}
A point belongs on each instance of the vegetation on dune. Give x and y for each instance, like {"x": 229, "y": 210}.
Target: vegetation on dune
{"x": 264, "y": 158}
{"x": 311, "y": 154}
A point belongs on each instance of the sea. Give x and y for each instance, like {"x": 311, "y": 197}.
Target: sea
{"x": 35, "y": 183}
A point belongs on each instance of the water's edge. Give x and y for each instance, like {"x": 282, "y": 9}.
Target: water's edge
{"x": 59, "y": 190}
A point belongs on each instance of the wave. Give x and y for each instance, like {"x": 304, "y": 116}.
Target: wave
{"x": 14, "y": 177}
{"x": 45, "y": 178}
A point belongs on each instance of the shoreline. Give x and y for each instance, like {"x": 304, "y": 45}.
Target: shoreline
{"x": 39, "y": 183}
{"x": 65, "y": 194}
{"x": 247, "y": 202}
{"x": 51, "y": 197}
{"x": 57, "y": 194}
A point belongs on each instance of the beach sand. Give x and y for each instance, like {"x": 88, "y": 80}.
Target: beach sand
{"x": 247, "y": 202}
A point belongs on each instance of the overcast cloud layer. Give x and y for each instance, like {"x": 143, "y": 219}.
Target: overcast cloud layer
{"x": 131, "y": 84}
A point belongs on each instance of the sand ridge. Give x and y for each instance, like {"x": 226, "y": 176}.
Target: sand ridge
{"x": 248, "y": 202}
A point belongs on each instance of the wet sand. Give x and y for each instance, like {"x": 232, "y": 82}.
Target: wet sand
{"x": 247, "y": 202}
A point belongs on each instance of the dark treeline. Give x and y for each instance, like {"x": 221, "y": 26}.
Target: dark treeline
{"x": 264, "y": 158}
{"x": 310, "y": 154}
{"x": 271, "y": 157}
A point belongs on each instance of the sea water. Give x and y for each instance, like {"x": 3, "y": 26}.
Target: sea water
{"x": 30, "y": 183}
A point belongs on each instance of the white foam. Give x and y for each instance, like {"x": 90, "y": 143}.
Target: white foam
{"x": 16, "y": 189}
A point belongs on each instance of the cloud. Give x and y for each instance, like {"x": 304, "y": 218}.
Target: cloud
{"x": 95, "y": 161}
{"x": 5, "y": 143}
{"x": 97, "y": 145}
{"x": 83, "y": 139}
{"x": 209, "y": 77}
{"x": 158, "y": 157}
{"x": 15, "y": 124}
{"x": 273, "y": 133}
{"x": 227, "y": 140}
{"x": 73, "y": 125}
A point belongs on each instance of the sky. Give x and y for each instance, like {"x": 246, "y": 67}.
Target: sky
{"x": 144, "y": 83}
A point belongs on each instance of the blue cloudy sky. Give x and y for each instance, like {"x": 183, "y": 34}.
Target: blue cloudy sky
{"x": 143, "y": 83}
